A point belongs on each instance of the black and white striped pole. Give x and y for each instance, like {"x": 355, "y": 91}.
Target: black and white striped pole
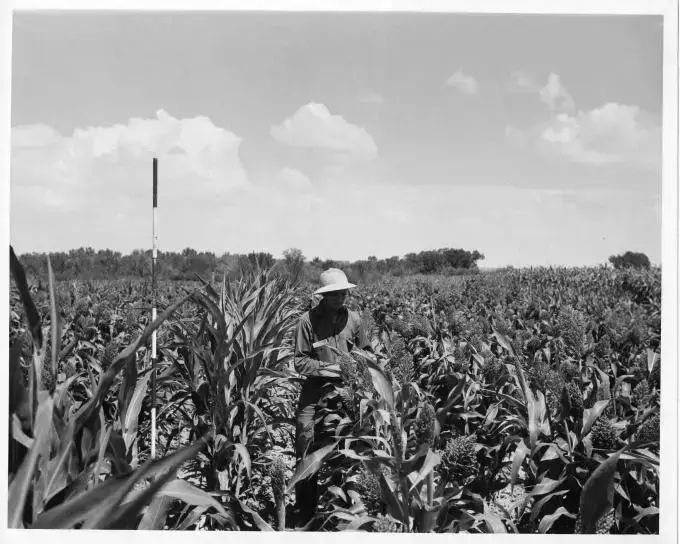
{"x": 153, "y": 307}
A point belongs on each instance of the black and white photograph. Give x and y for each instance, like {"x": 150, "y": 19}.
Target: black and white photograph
{"x": 389, "y": 267}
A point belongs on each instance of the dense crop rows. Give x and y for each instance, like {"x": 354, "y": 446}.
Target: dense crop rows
{"x": 523, "y": 401}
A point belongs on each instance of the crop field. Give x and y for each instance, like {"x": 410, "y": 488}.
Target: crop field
{"x": 520, "y": 401}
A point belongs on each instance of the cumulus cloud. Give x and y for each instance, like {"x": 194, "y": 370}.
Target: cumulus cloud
{"x": 294, "y": 179}
{"x": 193, "y": 154}
{"x": 97, "y": 181}
{"x": 28, "y": 136}
{"x": 516, "y": 136}
{"x": 521, "y": 82}
{"x": 370, "y": 97}
{"x": 611, "y": 134}
{"x": 314, "y": 127}
{"x": 464, "y": 83}
{"x": 555, "y": 95}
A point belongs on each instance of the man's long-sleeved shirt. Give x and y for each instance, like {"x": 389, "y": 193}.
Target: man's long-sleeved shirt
{"x": 318, "y": 329}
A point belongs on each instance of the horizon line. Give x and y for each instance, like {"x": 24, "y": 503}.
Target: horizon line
{"x": 308, "y": 260}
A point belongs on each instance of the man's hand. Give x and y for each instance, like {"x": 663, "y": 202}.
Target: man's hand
{"x": 330, "y": 370}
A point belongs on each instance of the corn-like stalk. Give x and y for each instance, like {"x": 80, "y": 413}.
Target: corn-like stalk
{"x": 69, "y": 442}
{"x": 425, "y": 429}
{"x": 244, "y": 341}
{"x": 278, "y": 476}
{"x": 396, "y": 432}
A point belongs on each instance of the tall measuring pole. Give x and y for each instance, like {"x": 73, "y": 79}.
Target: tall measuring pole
{"x": 153, "y": 307}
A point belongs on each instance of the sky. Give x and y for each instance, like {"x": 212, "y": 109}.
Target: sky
{"x": 533, "y": 139}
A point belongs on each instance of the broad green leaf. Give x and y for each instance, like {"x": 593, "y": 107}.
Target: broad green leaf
{"x": 338, "y": 492}
{"x": 652, "y": 357}
{"x": 125, "y": 515}
{"x": 394, "y": 506}
{"x": 32, "y": 315}
{"x": 553, "y": 452}
{"x": 190, "y": 494}
{"x": 621, "y": 491}
{"x": 603, "y": 387}
{"x": 208, "y": 286}
{"x": 542, "y": 414}
{"x": 491, "y": 414}
{"x": 517, "y": 459}
{"x": 431, "y": 461}
{"x": 533, "y": 415}
{"x": 62, "y": 391}
{"x": 591, "y": 414}
{"x": 18, "y": 489}
{"x": 261, "y": 524}
{"x": 245, "y": 456}
{"x": 452, "y": 398}
{"x": 588, "y": 445}
{"x": 381, "y": 384}
{"x": 261, "y": 417}
{"x": 68, "y": 514}
{"x": 133, "y": 409}
{"x": 645, "y": 512}
{"x": 504, "y": 342}
{"x": 18, "y": 396}
{"x": 493, "y": 522}
{"x": 507, "y": 398}
{"x": 191, "y": 518}
{"x": 537, "y": 509}
{"x": 354, "y": 455}
{"x": 358, "y": 522}
{"x": 104, "y": 438}
{"x": 58, "y": 469}
{"x": 370, "y": 439}
{"x": 548, "y": 520}
{"x": 100, "y": 506}
{"x": 310, "y": 465}
{"x": 55, "y": 326}
{"x": 598, "y": 493}
{"x": 156, "y": 514}
{"x": 409, "y": 464}
{"x": 19, "y": 435}
{"x": 118, "y": 363}
{"x": 126, "y": 389}
{"x": 546, "y": 485}
{"x": 642, "y": 456}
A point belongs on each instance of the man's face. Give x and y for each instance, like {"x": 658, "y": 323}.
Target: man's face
{"x": 335, "y": 299}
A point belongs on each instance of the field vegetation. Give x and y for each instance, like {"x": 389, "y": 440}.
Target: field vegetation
{"x": 522, "y": 401}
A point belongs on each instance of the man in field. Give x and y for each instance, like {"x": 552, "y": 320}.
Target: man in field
{"x": 329, "y": 325}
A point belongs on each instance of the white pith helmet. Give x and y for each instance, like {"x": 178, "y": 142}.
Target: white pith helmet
{"x": 333, "y": 279}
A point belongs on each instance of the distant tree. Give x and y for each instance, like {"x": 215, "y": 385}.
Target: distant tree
{"x": 432, "y": 261}
{"x": 86, "y": 263}
{"x": 261, "y": 260}
{"x": 359, "y": 271}
{"x": 477, "y": 256}
{"x": 329, "y": 263}
{"x": 630, "y": 259}
{"x": 294, "y": 262}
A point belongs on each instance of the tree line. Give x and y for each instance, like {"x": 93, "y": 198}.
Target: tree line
{"x": 630, "y": 259}
{"x": 87, "y": 263}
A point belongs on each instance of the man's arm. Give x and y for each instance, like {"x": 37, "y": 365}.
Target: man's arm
{"x": 305, "y": 360}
